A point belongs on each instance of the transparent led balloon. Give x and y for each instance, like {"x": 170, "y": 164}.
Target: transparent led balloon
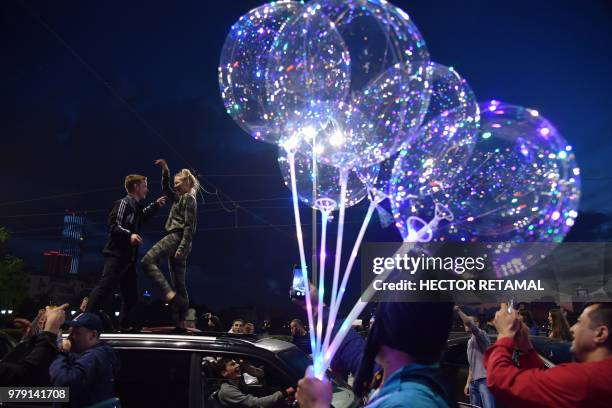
{"x": 326, "y": 194}
{"x": 242, "y": 68}
{"x": 376, "y": 178}
{"x": 452, "y": 100}
{"x": 520, "y": 184}
{"x": 308, "y": 63}
{"x": 363, "y": 67}
{"x": 444, "y": 143}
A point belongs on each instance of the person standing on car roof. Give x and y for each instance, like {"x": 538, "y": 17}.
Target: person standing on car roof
{"x": 176, "y": 244}
{"x": 121, "y": 250}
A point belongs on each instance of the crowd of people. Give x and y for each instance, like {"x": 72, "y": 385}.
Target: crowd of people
{"x": 398, "y": 364}
{"x": 508, "y": 371}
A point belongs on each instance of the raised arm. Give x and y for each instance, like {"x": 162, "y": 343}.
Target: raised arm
{"x": 481, "y": 336}
{"x": 166, "y": 185}
{"x": 151, "y": 209}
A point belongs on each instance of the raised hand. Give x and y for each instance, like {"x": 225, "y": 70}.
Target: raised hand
{"x": 162, "y": 163}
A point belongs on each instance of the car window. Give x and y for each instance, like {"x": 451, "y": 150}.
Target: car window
{"x": 153, "y": 378}
{"x": 298, "y": 361}
{"x": 257, "y": 377}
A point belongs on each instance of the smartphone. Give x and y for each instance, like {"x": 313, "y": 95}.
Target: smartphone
{"x": 510, "y": 305}
{"x": 298, "y": 285}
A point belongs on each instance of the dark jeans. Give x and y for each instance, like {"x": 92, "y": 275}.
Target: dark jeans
{"x": 480, "y": 394}
{"x": 117, "y": 272}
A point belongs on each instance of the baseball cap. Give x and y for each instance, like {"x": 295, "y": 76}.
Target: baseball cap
{"x": 90, "y": 321}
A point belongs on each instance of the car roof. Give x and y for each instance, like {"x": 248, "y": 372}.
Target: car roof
{"x": 197, "y": 340}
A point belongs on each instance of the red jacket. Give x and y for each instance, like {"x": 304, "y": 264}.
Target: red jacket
{"x": 566, "y": 385}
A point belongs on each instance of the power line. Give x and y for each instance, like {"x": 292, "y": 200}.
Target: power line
{"x": 105, "y": 211}
{"x": 53, "y": 197}
{"x": 253, "y": 226}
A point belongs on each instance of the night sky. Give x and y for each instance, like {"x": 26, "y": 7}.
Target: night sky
{"x": 92, "y": 91}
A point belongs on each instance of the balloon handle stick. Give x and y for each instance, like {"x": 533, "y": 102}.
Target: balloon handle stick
{"x": 300, "y": 239}
{"x": 424, "y": 231}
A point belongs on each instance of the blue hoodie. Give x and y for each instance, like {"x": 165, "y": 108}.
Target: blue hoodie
{"x": 90, "y": 375}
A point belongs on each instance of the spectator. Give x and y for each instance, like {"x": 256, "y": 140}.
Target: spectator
{"x": 191, "y": 320}
{"x": 407, "y": 340}
{"x": 585, "y": 383}
{"x": 525, "y": 317}
{"x": 237, "y": 326}
{"x": 86, "y": 365}
{"x": 28, "y": 363}
{"x": 230, "y": 394}
{"x": 559, "y": 328}
{"x": 249, "y": 328}
{"x": 299, "y": 336}
{"x": 568, "y": 315}
{"x": 213, "y": 323}
{"x": 476, "y": 384}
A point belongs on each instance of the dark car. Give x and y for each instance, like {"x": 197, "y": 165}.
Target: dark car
{"x": 171, "y": 370}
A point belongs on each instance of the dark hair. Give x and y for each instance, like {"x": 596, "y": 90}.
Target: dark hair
{"x": 237, "y": 320}
{"x": 221, "y": 364}
{"x": 216, "y": 323}
{"x": 394, "y": 327}
{"x": 560, "y": 327}
{"x": 298, "y": 322}
{"x": 601, "y": 315}
{"x": 528, "y": 319}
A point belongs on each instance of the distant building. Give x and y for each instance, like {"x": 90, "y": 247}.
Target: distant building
{"x": 72, "y": 240}
{"x": 59, "y": 289}
{"x": 56, "y": 263}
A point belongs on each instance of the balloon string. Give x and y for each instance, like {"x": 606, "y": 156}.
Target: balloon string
{"x": 358, "y": 308}
{"x": 300, "y": 238}
{"x": 319, "y": 367}
{"x": 324, "y": 218}
{"x": 339, "y": 238}
{"x": 333, "y": 313}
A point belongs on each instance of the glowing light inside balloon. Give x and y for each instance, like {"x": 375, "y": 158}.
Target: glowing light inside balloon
{"x": 510, "y": 170}
{"x": 243, "y": 61}
{"x": 357, "y": 71}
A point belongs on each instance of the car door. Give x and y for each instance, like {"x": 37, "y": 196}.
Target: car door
{"x": 155, "y": 377}
{"x": 273, "y": 378}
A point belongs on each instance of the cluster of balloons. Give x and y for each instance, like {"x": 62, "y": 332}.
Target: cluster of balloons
{"x": 348, "y": 87}
{"x": 338, "y": 84}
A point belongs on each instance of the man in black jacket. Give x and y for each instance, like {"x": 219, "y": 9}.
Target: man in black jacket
{"x": 121, "y": 250}
{"x": 28, "y": 363}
